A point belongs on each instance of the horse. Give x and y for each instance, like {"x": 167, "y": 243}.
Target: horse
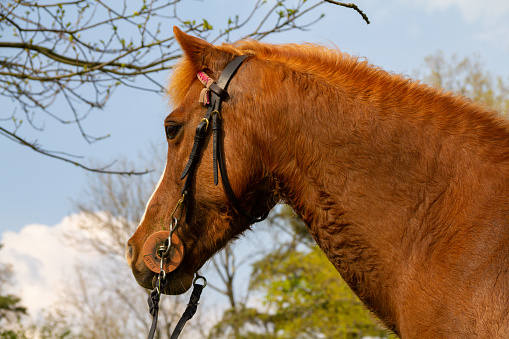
{"x": 405, "y": 187}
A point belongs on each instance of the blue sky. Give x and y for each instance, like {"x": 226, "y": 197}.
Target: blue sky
{"x": 36, "y": 189}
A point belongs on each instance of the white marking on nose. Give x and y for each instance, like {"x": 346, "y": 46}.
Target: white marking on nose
{"x": 152, "y": 196}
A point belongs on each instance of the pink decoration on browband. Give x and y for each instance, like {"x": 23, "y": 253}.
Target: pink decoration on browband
{"x": 205, "y": 93}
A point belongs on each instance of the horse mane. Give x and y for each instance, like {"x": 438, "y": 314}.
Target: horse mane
{"x": 449, "y": 111}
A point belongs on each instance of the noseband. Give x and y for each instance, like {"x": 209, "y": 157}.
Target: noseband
{"x": 212, "y": 97}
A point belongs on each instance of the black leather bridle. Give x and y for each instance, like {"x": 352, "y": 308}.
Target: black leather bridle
{"x": 212, "y": 117}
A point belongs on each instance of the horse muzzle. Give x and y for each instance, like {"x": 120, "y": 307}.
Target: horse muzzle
{"x": 159, "y": 256}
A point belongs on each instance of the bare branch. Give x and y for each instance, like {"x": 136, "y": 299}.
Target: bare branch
{"x": 53, "y": 53}
{"x": 350, "y": 5}
{"x": 52, "y": 154}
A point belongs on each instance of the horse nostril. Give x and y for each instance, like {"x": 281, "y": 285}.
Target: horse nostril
{"x": 129, "y": 253}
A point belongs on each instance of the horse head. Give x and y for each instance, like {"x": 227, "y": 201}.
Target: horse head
{"x": 204, "y": 216}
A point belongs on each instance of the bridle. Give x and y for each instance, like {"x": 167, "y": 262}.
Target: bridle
{"x": 213, "y": 116}
{"x": 212, "y": 97}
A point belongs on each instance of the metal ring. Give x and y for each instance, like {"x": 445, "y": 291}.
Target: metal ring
{"x": 200, "y": 277}
{"x": 161, "y": 250}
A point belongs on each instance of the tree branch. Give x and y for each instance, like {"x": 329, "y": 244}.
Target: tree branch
{"x": 350, "y": 5}
{"x": 52, "y": 154}
{"x": 79, "y": 51}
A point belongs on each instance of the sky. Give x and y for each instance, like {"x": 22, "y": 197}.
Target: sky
{"x": 35, "y": 191}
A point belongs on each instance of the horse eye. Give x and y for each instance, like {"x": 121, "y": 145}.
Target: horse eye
{"x": 172, "y": 131}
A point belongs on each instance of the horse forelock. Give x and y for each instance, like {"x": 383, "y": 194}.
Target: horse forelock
{"x": 181, "y": 78}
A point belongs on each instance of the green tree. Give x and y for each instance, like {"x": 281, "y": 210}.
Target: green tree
{"x": 306, "y": 298}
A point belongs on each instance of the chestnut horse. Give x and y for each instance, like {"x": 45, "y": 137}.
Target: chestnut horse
{"x": 403, "y": 186}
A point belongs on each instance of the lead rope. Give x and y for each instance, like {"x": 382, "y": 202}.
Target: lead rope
{"x": 191, "y": 307}
{"x": 155, "y": 296}
{"x": 153, "y": 303}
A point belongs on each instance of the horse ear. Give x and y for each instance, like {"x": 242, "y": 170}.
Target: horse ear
{"x": 200, "y": 53}
{"x": 194, "y": 48}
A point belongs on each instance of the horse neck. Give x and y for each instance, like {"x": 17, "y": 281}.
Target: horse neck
{"x": 335, "y": 153}
{"x": 362, "y": 178}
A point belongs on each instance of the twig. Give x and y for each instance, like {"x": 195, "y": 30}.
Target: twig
{"x": 51, "y": 154}
{"x": 353, "y": 6}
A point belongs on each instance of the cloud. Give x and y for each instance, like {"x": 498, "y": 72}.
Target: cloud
{"x": 42, "y": 261}
{"x": 487, "y": 11}
{"x": 488, "y": 16}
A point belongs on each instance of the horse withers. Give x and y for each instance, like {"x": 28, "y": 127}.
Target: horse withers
{"x": 404, "y": 187}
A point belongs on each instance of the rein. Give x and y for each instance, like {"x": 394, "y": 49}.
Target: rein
{"x": 212, "y": 97}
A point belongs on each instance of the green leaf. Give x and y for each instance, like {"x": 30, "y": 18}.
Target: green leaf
{"x": 206, "y": 25}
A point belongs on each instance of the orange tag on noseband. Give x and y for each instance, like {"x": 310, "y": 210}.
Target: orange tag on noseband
{"x": 153, "y": 260}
